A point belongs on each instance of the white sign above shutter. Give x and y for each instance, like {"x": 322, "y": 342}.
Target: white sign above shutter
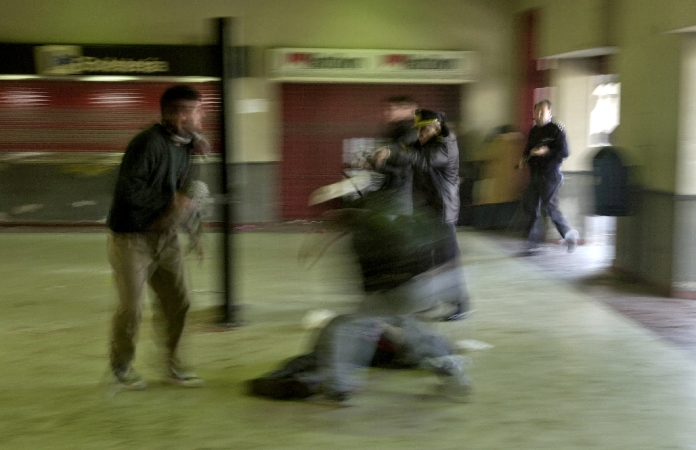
{"x": 400, "y": 66}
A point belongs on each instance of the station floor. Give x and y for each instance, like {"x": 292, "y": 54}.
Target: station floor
{"x": 565, "y": 356}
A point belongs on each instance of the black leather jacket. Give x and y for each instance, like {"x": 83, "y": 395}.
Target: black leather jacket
{"x": 399, "y": 180}
{"x": 553, "y": 136}
{"x": 152, "y": 170}
{"x": 435, "y": 167}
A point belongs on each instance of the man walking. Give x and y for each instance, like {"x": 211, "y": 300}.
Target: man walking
{"x": 545, "y": 151}
{"x": 143, "y": 245}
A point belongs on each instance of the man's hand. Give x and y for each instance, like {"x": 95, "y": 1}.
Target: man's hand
{"x": 379, "y": 157}
{"x": 182, "y": 202}
{"x": 180, "y": 206}
{"x": 539, "y": 151}
{"x": 201, "y": 145}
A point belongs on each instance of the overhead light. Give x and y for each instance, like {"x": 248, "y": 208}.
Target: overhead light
{"x": 108, "y": 78}
{"x": 18, "y": 77}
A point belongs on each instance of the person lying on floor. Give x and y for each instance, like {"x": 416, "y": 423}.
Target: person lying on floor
{"x": 331, "y": 366}
{"x": 395, "y": 256}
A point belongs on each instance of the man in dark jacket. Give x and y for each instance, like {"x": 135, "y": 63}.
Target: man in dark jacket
{"x": 545, "y": 151}
{"x": 143, "y": 246}
{"x": 398, "y": 113}
{"x": 434, "y": 159}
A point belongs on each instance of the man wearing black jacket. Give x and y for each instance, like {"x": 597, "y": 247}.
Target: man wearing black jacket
{"x": 545, "y": 151}
{"x": 434, "y": 159}
{"x": 143, "y": 246}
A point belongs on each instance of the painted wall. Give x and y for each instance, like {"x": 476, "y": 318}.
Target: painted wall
{"x": 571, "y": 25}
{"x": 649, "y": 68}
{"x": 484, "y": 26}
{"x": 571, "y": 80}
{"x": 686, "y": 162}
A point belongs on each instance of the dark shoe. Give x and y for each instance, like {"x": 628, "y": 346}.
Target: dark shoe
{"x": 459, "y": 313}
{"x": 529, "y": 250}
{"x": 338, "y": 397}
{"x": 571, "y": 240}
{"x": 279, "y": 388}
{"x": 456, "y": 316}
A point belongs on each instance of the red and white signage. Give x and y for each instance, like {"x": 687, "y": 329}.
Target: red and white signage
{"x": 335, "y": 65}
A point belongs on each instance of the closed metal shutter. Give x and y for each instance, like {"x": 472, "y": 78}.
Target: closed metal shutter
{"x": 317, "y": 117}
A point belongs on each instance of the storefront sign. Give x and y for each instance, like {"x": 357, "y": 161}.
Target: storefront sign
{"x": 69, "y": 60}
{"x": 297, "y": 64}
{"x": 129, "y": 60}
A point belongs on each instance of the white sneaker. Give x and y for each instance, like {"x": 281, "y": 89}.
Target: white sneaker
{"x": 181, "y": 378}
{"x": 451, "y": 370}
{"x": 571, "y": 240}
{"x": 129, "y": 380}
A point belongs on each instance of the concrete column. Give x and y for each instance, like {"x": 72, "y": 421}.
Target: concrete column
{"x": 684, "y": 273}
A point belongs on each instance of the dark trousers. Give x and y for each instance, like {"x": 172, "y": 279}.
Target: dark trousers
{"x": 447, "y": 249}
{"x": 447, "y": 252}
{"x": 542, "y": 195}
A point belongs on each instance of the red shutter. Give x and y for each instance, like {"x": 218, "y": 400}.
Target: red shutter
{"x": 318, "y": 117}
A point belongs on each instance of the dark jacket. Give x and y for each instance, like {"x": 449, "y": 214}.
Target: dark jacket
{"x": 435, "y": 167}
{"x": 553, "y": 136}
{"x": 399, "y": 180}
{"x": 390, "y": 250}
{"x": 152, "y": 170}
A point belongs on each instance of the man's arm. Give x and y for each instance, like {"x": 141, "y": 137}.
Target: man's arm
{"x": 173, "y": 214}
{"x": 422, "y": 161}
{"x": 531, "y": 142}
{"x": 528, "y": 148}
{"x": 559, "y": 146}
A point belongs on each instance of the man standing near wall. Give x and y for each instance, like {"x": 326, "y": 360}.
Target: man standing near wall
{"x": 545, "y": 151}
{"x": 148, "y": 205}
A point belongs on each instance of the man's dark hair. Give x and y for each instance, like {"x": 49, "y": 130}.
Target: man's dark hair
{"x": 173, "y": 95}
{"x": 401, "y": 100}
{"x": 545, "y": 101}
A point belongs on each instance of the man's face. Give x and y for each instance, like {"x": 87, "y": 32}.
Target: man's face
{"x": 542, "y": 114}
{"x": 396, "y": 112}
{"x": 428, "y": 132}
{"x": 191, "y": 115}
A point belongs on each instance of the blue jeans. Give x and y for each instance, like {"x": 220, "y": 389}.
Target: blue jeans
{"x": 542, "y": 195}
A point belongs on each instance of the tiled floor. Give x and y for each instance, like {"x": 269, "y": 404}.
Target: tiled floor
{"x": 561, "y": 369}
